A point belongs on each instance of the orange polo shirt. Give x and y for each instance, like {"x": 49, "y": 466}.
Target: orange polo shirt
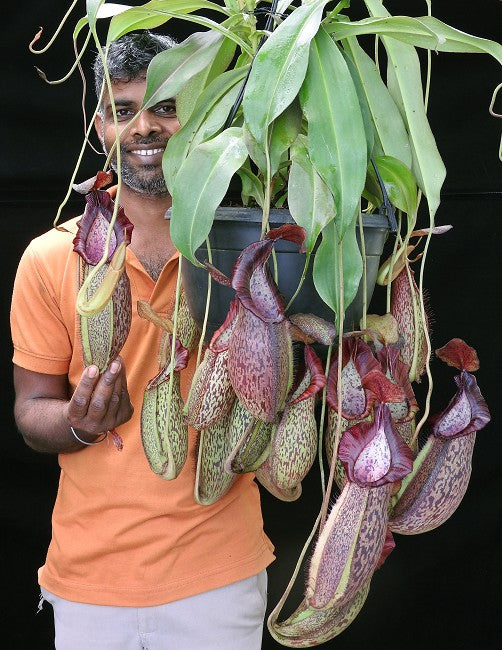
{"x": 121, "y": 535}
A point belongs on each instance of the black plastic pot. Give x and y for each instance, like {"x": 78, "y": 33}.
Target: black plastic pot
{"x": 233, "y": 229}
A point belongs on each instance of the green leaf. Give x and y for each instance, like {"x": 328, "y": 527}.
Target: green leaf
{"x": 104, "y": 11}
{"x": 404, "y": 80}
{"x": 92, "y": 8}
{"x": 279, "y": 68}
{"x": 372, "y": 192}
{"x": 251, "y": 186}
{"x": 309, "y": 199}
{"x": 363, "y": 104}
{"x": 256, "y": 154}
{"x": 79, "y": 26}
{"x": 326, "y": 267}
{"x": 405, "y": 85}
{"x": 189, "y": 94}
{"x": 215, "y": 119}
{"x": 399, "y": 183}
{"x": 426, "y": 31}
{"x": 389, "y": 127}
{"x": 282, "y": 133}
{"x": 200, "y": 185}
{"x": 170, "y": 70}
{"x": 336, "y": 137}
{"x": 153, "y": 14}
{"x": 180, "y": 143}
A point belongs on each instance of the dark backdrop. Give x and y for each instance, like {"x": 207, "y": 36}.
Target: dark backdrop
{"x": 439, "y": 588}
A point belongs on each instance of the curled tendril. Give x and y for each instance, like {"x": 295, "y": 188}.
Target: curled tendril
{"x": 55, "y": 35}
{"x": 495, "y": 114}
{"x": 54, "y": 82}
{"x": 492, "y": 103}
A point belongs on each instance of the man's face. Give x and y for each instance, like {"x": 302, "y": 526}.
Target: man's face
{"x": 142, "y": 143}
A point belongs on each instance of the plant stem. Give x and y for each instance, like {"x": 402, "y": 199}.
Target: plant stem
{"x": 397, "y": 242}
{"x": 78, "y": 55}
{"x": 173, "y": 340}
{"x": 341, "y": 5}
{"x": 427, "y": 339}
{"x": 87, "y": 282}
{"x": 338, "y": 430}
{"x": 109, "y": 88}
{"x": 208, "y": 302}
{"x": 365, "y": 270}
{"x": 266, "y": 201}
{"x": 302, "y": 280}
{"x": 79, "y": 160}
{"x": 321, "y": 424}
{"x": 274, "y": 614}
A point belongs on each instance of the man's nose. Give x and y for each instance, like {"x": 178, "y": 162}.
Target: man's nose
{"x": 145, "y": 124}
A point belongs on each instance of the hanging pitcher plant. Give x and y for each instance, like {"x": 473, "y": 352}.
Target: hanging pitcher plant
{"x": 324, "y": 116}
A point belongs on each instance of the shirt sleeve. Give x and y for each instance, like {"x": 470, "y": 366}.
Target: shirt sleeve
{"x": 42, "y": 342}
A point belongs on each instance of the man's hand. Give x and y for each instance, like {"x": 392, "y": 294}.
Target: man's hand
{"x": 44, "y": 410}
{"x": 100, "y": 402}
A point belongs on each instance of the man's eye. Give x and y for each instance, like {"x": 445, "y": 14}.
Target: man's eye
{"x": 166, "y": 109}
{"x": 123, "y": 113}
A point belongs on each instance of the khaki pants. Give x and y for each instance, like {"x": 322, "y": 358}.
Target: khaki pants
{"x": 227, "y": 618}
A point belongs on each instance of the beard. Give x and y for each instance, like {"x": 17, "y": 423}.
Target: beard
{"x": 147, "y": 179}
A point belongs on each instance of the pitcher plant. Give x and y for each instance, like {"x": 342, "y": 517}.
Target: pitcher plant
{"x": 294, "y": 101}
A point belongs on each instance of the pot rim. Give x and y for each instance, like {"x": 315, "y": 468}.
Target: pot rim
{"x": 280, "y": 216}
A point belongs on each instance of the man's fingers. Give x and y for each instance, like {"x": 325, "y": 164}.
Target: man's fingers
{"x": 112, "y": 373}
{"x": 79, "y": 402}
{"x": 108, "y": 384}
{"x": 101, "y": 402}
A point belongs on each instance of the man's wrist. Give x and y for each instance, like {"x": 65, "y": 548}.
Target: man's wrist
{"x": 99, "y": 438}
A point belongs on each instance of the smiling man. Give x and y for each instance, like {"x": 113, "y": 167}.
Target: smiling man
{"x": 141, "y": 153}
{"x": 134, "y": 563}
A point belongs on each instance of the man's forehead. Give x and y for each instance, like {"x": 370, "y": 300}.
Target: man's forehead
{"x": 139, "y": 78}
{"x": 128, "y": 92}
{"x": 125, "y": 87}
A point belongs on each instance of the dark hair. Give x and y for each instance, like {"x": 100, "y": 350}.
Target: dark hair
{"x": 129, "y": 56}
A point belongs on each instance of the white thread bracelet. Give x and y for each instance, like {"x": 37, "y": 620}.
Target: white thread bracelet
{"x": 96, "y": 442}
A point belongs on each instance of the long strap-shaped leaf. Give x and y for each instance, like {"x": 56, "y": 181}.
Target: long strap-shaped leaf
{"x": 282, "y": 133}
{"x": 279, "y": 68}
{"x": 387, "y": 121}
{"x": 188, "y": 96}
{"x": 155, "y": 13}
{"x": 216, "y": 117}
{"x": 170, "y": 70}
{"x": 200, "y": 185}
{"x": 336, "y": 137}
{"x": 326, "y": 275}
{"x": 405, "y": 85}
{"x": 180, "y": 143}
{"x": 309, "y": 199}
{"x": 427, "y": 32}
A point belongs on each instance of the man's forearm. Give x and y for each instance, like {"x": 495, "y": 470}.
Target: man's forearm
{"x": 44, "y": 426}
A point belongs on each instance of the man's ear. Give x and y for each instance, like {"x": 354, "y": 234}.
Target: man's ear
{"x": 98, "y": 125}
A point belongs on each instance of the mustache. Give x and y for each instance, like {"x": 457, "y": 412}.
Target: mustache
{"x": 144, "y": 141}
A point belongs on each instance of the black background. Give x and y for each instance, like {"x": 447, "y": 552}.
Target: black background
{"x": 442, "y": 587}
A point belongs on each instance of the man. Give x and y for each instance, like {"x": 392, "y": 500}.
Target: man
{"x": 134, "y": 562}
